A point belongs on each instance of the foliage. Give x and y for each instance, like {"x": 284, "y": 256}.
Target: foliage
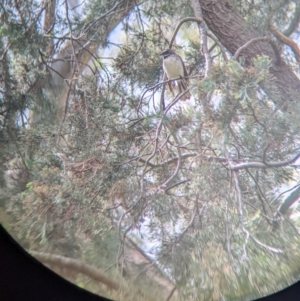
{"x": 201, "y": 182}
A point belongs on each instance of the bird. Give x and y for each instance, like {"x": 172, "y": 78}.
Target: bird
{"x": 174, "y": 67}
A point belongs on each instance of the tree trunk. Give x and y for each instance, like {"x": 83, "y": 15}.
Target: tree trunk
{"x": 233, "y": 32}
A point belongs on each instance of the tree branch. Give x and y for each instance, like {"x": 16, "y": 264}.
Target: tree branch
{"x": 49, "y": 21}
{"x": 295, "y": 22}
{"x": 184, "y": 156}
{"x": 203, "y": 35}
{"x": 171, "y": 293}
{"x": 269, "y": 248}
{"x": 255, "y": 40}
{"x": 179, "y": 25}
{"x": 220, "y": 46}
{"x": 289, "y": 201}
{"x": 77, "y": 266}
{"x": 285, "y": 40}
{"x": 265, "y": 164}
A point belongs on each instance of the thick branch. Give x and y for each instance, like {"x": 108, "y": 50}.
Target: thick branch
{"x": 244, "y": 165}
{"x": 49, "y": 18}
{"x": 184, "y": 156}
{"x": 77, "y": 266}
{"x": 49, "y": 21}
{"x": 265, "y": 164}
{"x": 289, "y": 201}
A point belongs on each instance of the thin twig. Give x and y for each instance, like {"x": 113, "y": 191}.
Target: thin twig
{"x": 223, "y": 50}
{"x": 163, "y": 185}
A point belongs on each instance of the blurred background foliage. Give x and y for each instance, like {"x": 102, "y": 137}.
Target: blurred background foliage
{"x": 176, "y": 201}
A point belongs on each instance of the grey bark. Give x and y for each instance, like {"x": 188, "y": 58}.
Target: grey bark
{"x": 233, "y": 32}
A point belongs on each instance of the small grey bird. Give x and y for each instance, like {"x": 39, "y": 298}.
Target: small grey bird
{"x": 174, "y": 68}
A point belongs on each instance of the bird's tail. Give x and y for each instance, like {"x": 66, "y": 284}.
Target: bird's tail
{"x": 183, "y": 85}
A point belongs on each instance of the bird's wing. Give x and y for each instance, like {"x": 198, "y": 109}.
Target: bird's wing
{"x": 185, "y": 72}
